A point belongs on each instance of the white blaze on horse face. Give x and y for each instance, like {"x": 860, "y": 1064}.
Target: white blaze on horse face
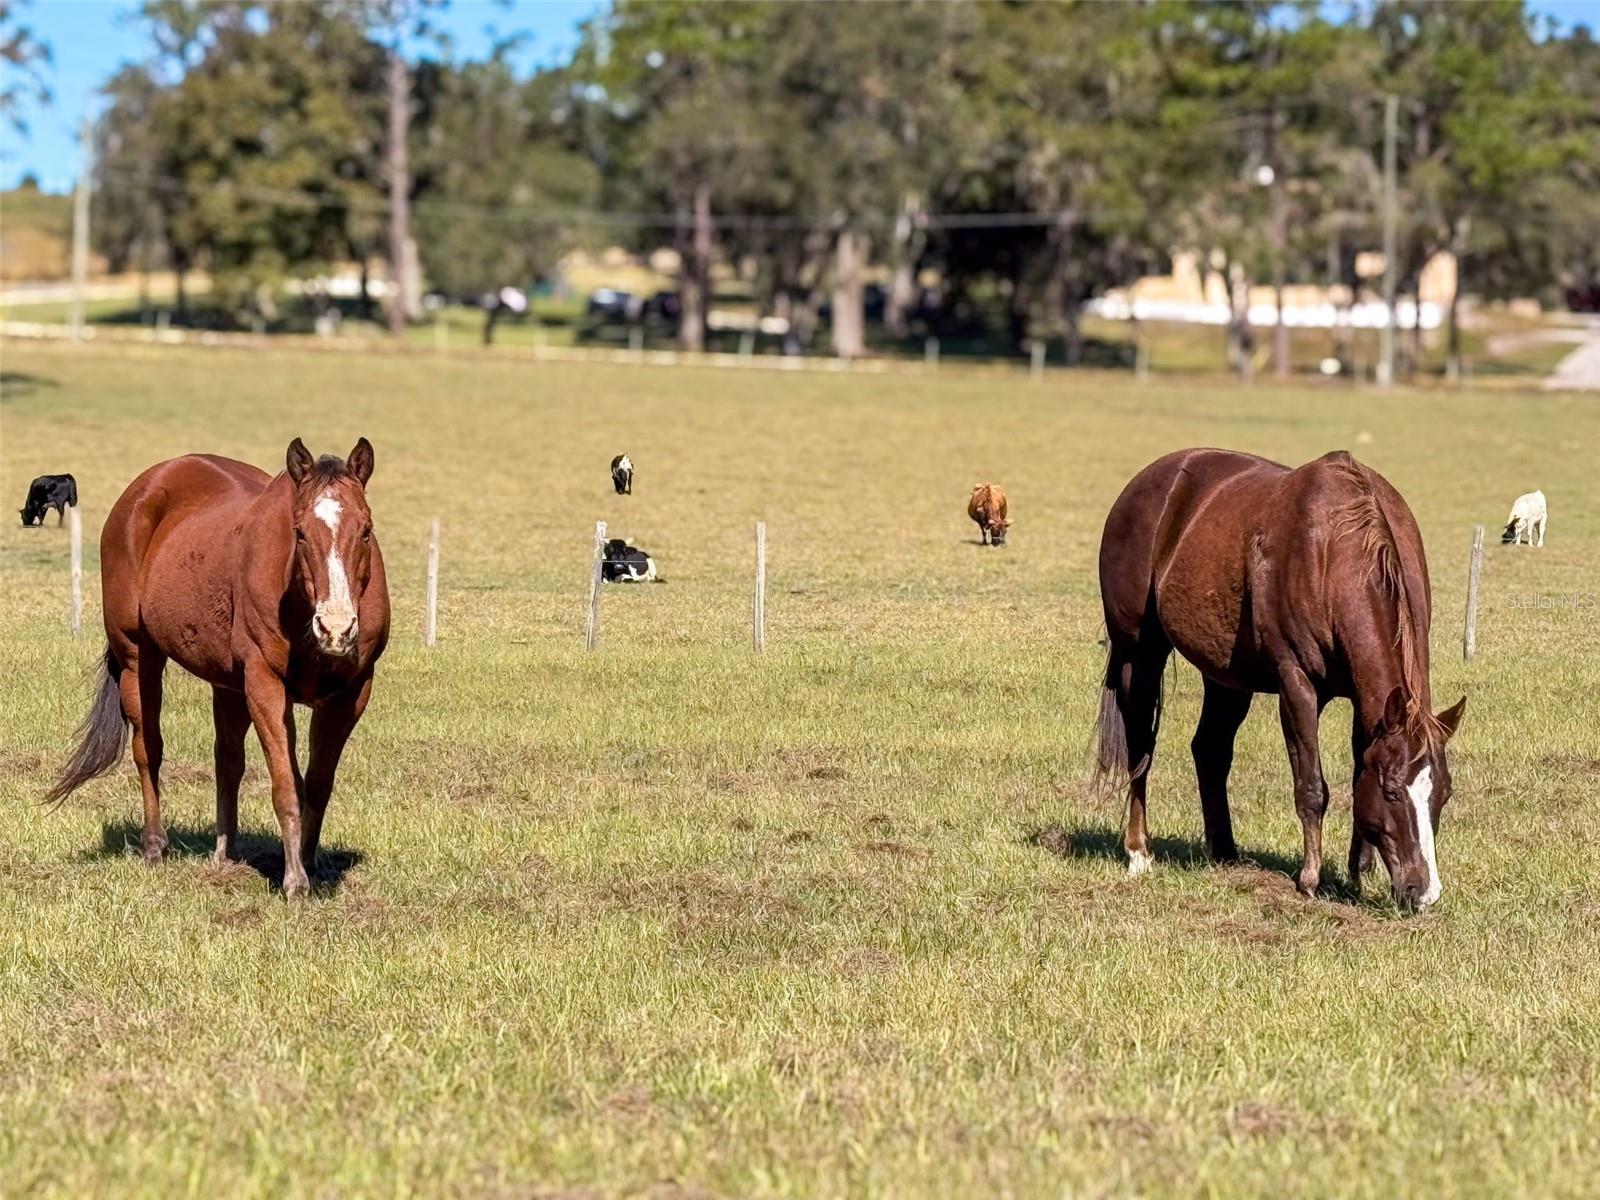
{"x": 336, "y": 613}
{"x": 1420, "y": 793}
{"x": 328, "y": 510}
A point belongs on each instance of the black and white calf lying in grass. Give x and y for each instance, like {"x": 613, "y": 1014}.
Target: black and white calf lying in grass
{"x": 625, "y": 563}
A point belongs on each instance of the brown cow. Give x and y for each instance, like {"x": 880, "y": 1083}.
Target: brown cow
{"x": 988, "y": 508}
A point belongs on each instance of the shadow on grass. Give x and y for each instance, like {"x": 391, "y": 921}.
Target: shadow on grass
{"x": 1186, "y": 854}
{"x": 20, "y": 383}
{"x": 261, "y": 852}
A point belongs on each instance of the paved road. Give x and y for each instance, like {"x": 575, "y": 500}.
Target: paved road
{"x": 1579, "y": 370}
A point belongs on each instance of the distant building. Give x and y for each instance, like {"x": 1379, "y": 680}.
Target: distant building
{"x": 1190, "y": 295}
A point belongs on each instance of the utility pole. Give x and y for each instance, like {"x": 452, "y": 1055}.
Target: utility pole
{"x": 1280, "y": 250}
{"x": 1391, "y": 130}
{"x": 80, "y": 228}
{"x": 400, "y": 250}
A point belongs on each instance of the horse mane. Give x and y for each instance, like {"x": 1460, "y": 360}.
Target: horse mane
{"x": 330, "y": 468}
{"x": 1363, "y": 516}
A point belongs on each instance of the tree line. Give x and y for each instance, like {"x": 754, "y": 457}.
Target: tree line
{"x": 938, "y": 166}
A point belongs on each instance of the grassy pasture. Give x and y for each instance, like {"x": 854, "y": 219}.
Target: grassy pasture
{"x": 670, "y": 920}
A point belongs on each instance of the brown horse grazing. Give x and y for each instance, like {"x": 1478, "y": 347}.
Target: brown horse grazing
{"x": 1308, "y": 583}
{"x": 272, "y": 591}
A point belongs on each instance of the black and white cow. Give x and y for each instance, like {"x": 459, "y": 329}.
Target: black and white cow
{"x": 46, "y": 492}
{"x": 622, "y": 474}
{"x": 626, "y": 564}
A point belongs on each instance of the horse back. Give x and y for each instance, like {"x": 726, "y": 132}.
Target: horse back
{"x": 1181, "y": 560}
{"x": 168, "y": 553}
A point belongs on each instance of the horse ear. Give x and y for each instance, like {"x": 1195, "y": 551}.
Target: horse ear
{"x": 299, "y": 460}
{"x": 1450, "y": 718}
{"x": 1394, "y": 714}
{"x": 360, "y": 461}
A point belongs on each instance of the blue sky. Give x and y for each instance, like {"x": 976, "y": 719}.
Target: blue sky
{"x": 90, "y": 39}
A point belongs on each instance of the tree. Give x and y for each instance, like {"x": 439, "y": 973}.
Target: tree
{"x": 131, "y": 205}
{"x": 497, "y": 177}
{"x": 24, "y": 58}
{"x": 681, "y": 82}
{"x": 1487, "y": 123}
{"x": 267, "y": 140}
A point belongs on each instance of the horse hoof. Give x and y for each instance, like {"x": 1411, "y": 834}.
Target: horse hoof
{"x": 152, "y": 852}
{"x": 1140, "y": 862}
{"x": 296, "y": 889}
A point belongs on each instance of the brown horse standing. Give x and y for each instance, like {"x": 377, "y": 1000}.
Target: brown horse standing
{"x": 272, "y": 591}
{"x": 1307, "y": 583}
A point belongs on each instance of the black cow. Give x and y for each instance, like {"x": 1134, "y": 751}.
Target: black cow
{"x": 626, "y": 564}
{"x": 47, "y": 492}
{"x": 622, "y": 474}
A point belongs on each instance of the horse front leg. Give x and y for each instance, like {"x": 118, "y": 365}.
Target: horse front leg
{"x": 1298, "y": 709}
{"x": 273, "y": 717}
{"x": 331, "y": 726}
{"x": 1361, "y": 851}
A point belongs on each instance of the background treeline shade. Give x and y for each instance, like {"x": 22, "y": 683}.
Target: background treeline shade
{"x": 1026, "y": 156}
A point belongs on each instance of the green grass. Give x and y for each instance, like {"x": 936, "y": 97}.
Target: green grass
{"x": 843, "y": 920}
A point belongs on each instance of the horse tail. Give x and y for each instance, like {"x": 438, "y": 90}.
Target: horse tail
{"x": 1112, "y": 765}
{"x": 1111, "y": 753}
{"x": 101, "y": 738}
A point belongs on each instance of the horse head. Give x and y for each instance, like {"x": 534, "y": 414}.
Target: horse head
{"x": 1401, "y": 787}
{"x": 332, "y": 541}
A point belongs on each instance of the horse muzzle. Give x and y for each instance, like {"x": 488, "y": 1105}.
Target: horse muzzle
{"x": 336, "y": 632}
{"x": 1416, "y": 894}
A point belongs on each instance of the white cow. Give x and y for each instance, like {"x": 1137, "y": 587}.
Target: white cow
{"x": 1528, "y": 516}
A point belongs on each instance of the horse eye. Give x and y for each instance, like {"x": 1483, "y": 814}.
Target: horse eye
{"x": 366, "y": 534}
{"x": 299, "y": 534}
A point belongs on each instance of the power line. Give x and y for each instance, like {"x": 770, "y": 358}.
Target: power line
{"x": 523, "y": 214}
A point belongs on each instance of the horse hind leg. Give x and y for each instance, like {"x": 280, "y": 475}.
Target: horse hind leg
{"x": 140, "y": 687}
{"x": 1222, "y": 712}
{"x": 1138, "y": 698}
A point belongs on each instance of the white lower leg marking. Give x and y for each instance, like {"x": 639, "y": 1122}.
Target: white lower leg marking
{"x": 1420, "y": 792}
{"x": 1140, "y": 862}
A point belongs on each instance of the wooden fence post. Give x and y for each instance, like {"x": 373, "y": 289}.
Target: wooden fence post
{"x": 1038, "y": 359}
{"x": 75, "y": 534}
{"x": 761, "y": 587}
{"x": 1469, "y": 641}
{"x": 592, "y": 631}
{"x": 430, "y": 620}
{"x": 930, "y": 353}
